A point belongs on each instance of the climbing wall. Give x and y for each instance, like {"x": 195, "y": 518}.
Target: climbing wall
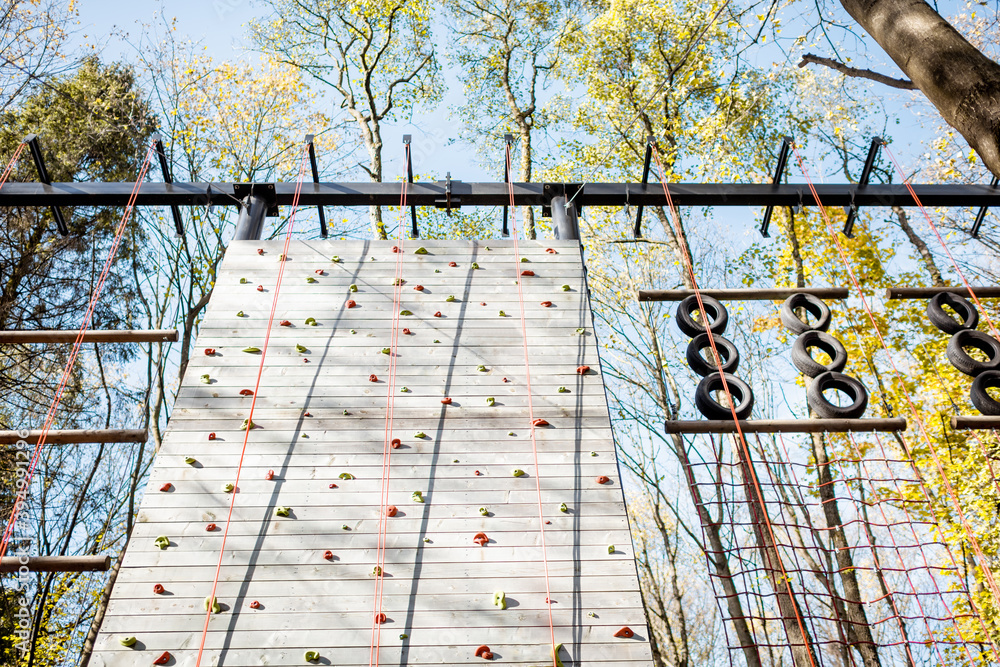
{"x": 305, "y": 582}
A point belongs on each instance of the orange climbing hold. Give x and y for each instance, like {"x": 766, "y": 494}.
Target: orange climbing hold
{"x": 419, "y": 288}
{"x": 210, "y": 527}
{"x": 527, "y": 272}
{"x": 255, "y": 605}
{"x": 603, "y": 479}
{"x": 373, "y": 378}
{"x": 546, "y": 304}
{"x": 481, "y": 539}
{"x": 260, "y": 288}
{"x": 163, "y": 659}
{"x": 284, "y": 323}
{"x": 437, "y": 314}
{"x": 446, "y": 400}
{"x": 328, "y": 555}
{"x": 551, "y": 251}
{"x": 406, "y": 332}
{"x": 209, "y": 351}
{"x": 333, "y": 486}
{"x": 246, "y": 392}
{"x": 391, "y": 510}
{"x": 395, "y": 248}
{"x": 539, "y": 422}
{"x": 269, "y": 476}
{"x": 158, "y": 589}
{"x": 351, "y": 303}
{"x": 211, "y": 436}
{"x": 625, "y": 632}
{"x": 396, "y": 443}
{"x": 166, "y": 487}
{"x": 380, "y": 618}
{"x": 319, "y": 272}
{"x": 484, "y": 652}
{"x": 582, "y": 370}
{"x": 452, "y": 264}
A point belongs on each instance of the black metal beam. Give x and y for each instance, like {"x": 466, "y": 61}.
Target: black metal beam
{"x": 779, "y": 171}
{"x": 866, "y": 173}
{"x": 175, "y": 210}
{"x": 43, "y": 176}
{"x": 509, "y": 141}
{"x": 496, "y": 194}
{"x": 315, "y": 172}
{"x": 646, "y": 161}
{"x": 414, "y": 232}
{"x": 982, "y": 212}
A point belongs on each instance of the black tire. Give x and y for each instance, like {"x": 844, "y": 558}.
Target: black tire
{"x": 691, "y": 327}
{"x": 983, "y": 401}
{"x": 813, "y": 305}
{"x": 982, "y": 342}
{"x": 711, "y": 408}
{"x": 808, "y": 366}
{"x": 844, "y": 383}
{"x": 945, "y": 322}
{"x": 728, "y": 354}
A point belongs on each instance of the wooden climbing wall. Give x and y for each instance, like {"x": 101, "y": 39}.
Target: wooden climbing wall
{"x": 318, "y": 415}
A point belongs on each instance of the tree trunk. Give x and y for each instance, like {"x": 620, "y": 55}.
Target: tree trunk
{"x": 954, "y": 75}
{"x": 529, "y": 213}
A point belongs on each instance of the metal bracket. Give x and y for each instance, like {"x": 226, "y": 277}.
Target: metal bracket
{"x": 509, "y": 141}
{"x": 866, "y": 172}
{"x": 175, "y": 210}
{"x": 567, "y": 190}
{"x": 263, "y": 190}
{"x": 637, "y": 232}
{"x": 779, "y": 171}
{"x": 982, "y": 211}
{"x": 43, "y": 176}
{"x": 310, "y": 141}
{"x": 414, "y": 232}
{"x": 449, "y": 202}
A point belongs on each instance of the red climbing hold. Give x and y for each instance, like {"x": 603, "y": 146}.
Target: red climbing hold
{"x": 406, "y": 332}
{"x": 328, "y": 555}
{"x": 506, "y": 380}
{"x": 481, "y": 539}
{"x": 551, "y": 251}
{"x": 255, "y": 605}
{"x": 625, "y": 632}
{"x": 319, "y": 272}
{"x": 284, "y": 323}
{"x": 260, "y": 251}
{"x": 396, "y": 443}
{"x": 484, "y": 652}
{"x": 527, "y": 273}
{"x": 269, "y": 476}
{"x": 603, "y": 479}
{"x": 351, "y": 303}
{"x": 419, "y": 288}
{"x": 246, "y": 392}
{"x": 165, "y": 658}
{"x": 482, "y": 303}
{"x": 379, "y": 618}
{"x": 306, "y": 414}
{"x": 452, "y": 264}
{"x": 539, "y": 422}
{"x": 211, "y": 436}
{"x": 395, "y": 248}
{"x": 582, "y": 370}
{"x": 391, "y": 510}
{"x": 446, "y": 400}
{"x": 478, "y": 474}
{"x": 437, "y": 314}
{"x": 260, "y": 288}
{"x": 333, "y": 486}
{"x": 209, "y": 351}
{"x": 158, "y": 589}
{"x": 166, "y": 487}
{"x": 373, "y": 378}
{"x": 546, "y": 304}
{"x": 210, "y": 527}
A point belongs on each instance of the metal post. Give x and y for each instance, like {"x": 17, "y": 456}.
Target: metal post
{"x": 564, "y": 220}
{"x": 251, "y": 220}
{"x": 779, "y": 170}
{"x": 43, "y": 177}
{"x": 310, "y": 142}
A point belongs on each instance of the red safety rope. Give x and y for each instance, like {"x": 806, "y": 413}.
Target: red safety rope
{"x": 531, "y": 411}
{"x": 946, "y": 483}
{"x": 383, "y": 526}
{"x": 77, "y": 344}
{"x": 253, "y": 403}
{"x": 689, "y": 266}
{"x": 13, "y": 162}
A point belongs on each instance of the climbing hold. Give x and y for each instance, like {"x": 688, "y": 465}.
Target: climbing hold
{"x": 396, "y": 443}
{"x": 405, "y": 390}
{"x": 503, "y": 314}
{"x": 611, "y": 548}
{"x": 451, "y": 298}
{"x": 625, "y": 632}
{"x": 563, "y": 507}
{"x": 166, "y": 487}
{"x": 206, "y": 379}
{"x": 499, "y": 599}
{"x": 417, "y": 496}
{"x": 484, "y": 511}
{"x": 243, "y": 281}
{"x": 603, "y": 479}
{"x": 310, "y": 279}
{"x": 301, "y": 349}
{"x": 478, "y": 474}
{"x": 251, "y": 349}
{"x": 484, "y": 652}
{"x": 311, "y": 656}
{"x": 482, "y": 303}
{"x": 311, "y": 321}
{"x": 379, "y": 618}
{"x": 247, "y": 425}
{"x": 505, "y": 380}
{"x": 260, "y": 251}
{"x": 127, "y": 641}
{"x": 346, "y": 475}
{"x": 255, "y": 605}
{"x": 582, "y": 370}
{"x": 490, "y": 401}
{"x": 398, "y": 282}
{"x": 246, "y": 392}
{"x": 420, "y": 251}
{"x": 318, "y": 272}
{"x": 593, "y": 453}
{"x": 517, "y": 471}
{"x": 260, "y": 288}
{"x": 395, "y": 248}
{"x": 353, "y": 287}
{"x": 481, "y": 539}
{"x": 555, "y": 655}
{"x": 475, "y": 265}
{"x": 346, "y": 413}
{"x": 386, "y": 350}
{"x": 419, "y": 288}
{"x": 407, "y": 332}
{"x": 333, "y": 486}
{"x": 427, "y": 539}
{"x": 228, "y": 487}
{"x": 481, "y": 368}
{"x": 527, "y": 273}
{"x": 212, "y": 602}
{"x": 551, "y": 251}
{"x": 539, "y": 422}
{"x": 436, "y": 340}
{"x": 405, "y": 312}
{"x": 376, "y": 571}
{"x": 209, "y": 351}
{"x": 163, "y": 659}
{"x": 565, "y": 288}
{"x": 353, "y": 331}
{"x": 306, "y": 414}
{"x": 419, "y": 434}
{"x": 284, "y": 323}
{"x": 211, "y": 436}
{"x": 446, "y": 400}
{"x": 190, "y": 460}
{"x": 269, "y": 476}
{"x": 487, "y": 248}
{"x": 282, "y": 511}
{"x": 328, "y": 555}
{"x": 345, "y": 527}
{"x": 563, "y": 390}
{"x": 546, "y": 304}
{"x": 452, "y": 264}
{"x": 351, "y": 303}
{"x": 437, "y": 314}
{"x": 158, "y": 589}
{"x": 373, "y": 378}
{"x": 162, "y": 541}
{"x": 391, "y": 510}
{"x": 510, "y": 433}
{"x": 210, "y": 527}
{"x": 335, "y": 259}
{"x": 524, "y": 259}
{"x": 240, "y": 314}
{"x": 404, "y": 636}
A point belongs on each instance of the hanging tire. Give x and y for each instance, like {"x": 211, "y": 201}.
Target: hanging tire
{"x": 691, "y": 327}
{"x": 728, "y": 355}
{"x": 844, "y": 383}
{"x": 945, "y": 322}
{"x": 961, "y": 360}
{"x": 985, "y": 403}
{"x": 711, "y": 408}
{"x": 813, "y": 305}
{"x": 808, "y": 366}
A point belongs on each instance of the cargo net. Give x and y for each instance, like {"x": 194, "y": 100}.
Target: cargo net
{"x": 832, "y": 556}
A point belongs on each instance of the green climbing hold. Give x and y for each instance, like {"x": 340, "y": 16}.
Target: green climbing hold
{"x": 162, "y": 541}
{"x": 376, "y": 571}
{"x": 386, "y": 350}
{"x": 228, "y": 487}
{"x": 490, "y": 401}
{"x": 335, "y": 259}
{"x": 563, "y": 507}
{"x": 404, "y": 390}
{"x": 593, "y": 453}
{"x": 524, "y": 259}
{"x": 206, "y": 379}
{"x": 310, "y": 279}
{"x": 311, "y": 656}
{"x": 190, "y": 460}
{"x": 487, "y": 247}
{"x": 611, "y": 548}
{"x": 420, "y": 251}
{"x": 404, "y": 636}
{"x": 243, "y": 281}
{"x": 240, "y": 314}
{"x": 503, "y": 314}
{"x": 417, "y": 496}
{"x": 311, "y": 321}
{"x": 346, "y": 475}
{"x": 282, "y": 511}
{"x": 251, "y": 349}
{"x": 475, "y": 265}
{"x": 419, "y": 434}
{"x": 563, "y": 390}
{"x": 436, "y": 340}
{"x": 346, "y": 413}
{"x": 555, "y": 655}
{"x": 354, "y": 331}
{"x": 518, "y": 472}
{"x": 302, "y": 349}
{"x": 451, "y": 298}
{"x": 398, "y": 282}
{"x": 510, "y": 433}
{"x": 481, "y": 368}
{"x": 581, "y": 331}
{"x": 405, "y": 312}
{"x": 212, "y": 602}
{"x": 565, "y": 288}
{"x": 127, "y": 641}
{"x": 427, "y": 539}
{"x": 484, "y": 511}
{"x": 500, "y": 599}
{"x": 353, "y": 287}
{"x": 345, "y": 527}
{"x": 437, "y": 270}
{"x": 247, "y": 425}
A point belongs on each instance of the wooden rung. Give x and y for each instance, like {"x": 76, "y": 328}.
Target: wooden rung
{"x": 786, "y": 425}
{"x": 764, "y": 294}
{"x": 76, "y": 436}
{"x": 975, "y": 422}
{"x": 928, "y": 292}
{"x": 57, "y": 563}
{"x": 99, "y": 336}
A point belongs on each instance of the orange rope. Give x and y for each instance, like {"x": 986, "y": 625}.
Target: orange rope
{"x": 12, "y": 163}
